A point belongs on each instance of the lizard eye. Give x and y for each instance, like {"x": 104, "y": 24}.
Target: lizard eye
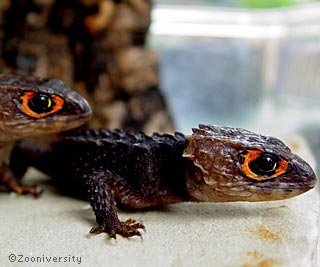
{"x": 265, "y": 164}
{"x": 260, "y": 165}
{"x": 39, "y": 105}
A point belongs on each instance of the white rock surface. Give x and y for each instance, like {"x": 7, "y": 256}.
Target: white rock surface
{"x": 270, "y": 234}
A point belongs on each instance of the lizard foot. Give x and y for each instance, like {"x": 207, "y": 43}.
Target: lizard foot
{"x": 11, "y": 183}
{"x": 28, "y": 189}
{"x": 129, "y": 228}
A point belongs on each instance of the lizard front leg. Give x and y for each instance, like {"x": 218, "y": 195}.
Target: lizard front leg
{"x": 101, "y": 199}
{"x": 10, "y": 182}
{"x": 10, "y": 179}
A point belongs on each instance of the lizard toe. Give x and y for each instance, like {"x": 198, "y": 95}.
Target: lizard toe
{"x": 128, "y": 228}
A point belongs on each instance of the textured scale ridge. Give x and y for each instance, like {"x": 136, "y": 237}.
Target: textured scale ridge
{"x": 240, "y": 136}
{"x": 137, "y": 139}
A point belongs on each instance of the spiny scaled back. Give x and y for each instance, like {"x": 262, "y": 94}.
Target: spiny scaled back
{"x": 231, "y": 164}
{"x": 136, "y": 139}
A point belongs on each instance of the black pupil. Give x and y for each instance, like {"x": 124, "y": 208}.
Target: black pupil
{"x": 40, "y": 103}
{"x": 265, "y": 164}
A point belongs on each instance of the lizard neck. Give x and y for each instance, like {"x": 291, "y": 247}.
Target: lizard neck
{"x": 173, "y": 166}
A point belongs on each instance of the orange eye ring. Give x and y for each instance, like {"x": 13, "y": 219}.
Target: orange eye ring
{"x": 281, "y": 166}
{"x": 54, "y": 104}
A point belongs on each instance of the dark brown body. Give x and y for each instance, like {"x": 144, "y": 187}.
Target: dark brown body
{"x": 133, "y": 170}
{"x": 136, "y": 167}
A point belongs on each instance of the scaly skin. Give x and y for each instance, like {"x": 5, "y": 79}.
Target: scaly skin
{"x": 132, "y": 170}
{"x": 57, "y": 108}
{"x": 219, "y": 173}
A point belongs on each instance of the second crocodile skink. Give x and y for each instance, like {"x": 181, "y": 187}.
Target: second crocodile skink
{"x": 30, "y": 106}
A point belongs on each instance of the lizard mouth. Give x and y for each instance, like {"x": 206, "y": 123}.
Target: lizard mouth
{"x": 270, "y": 190}
{"x": 64, "y": 122}
{"x": 74, "y": 118}
{"x": 285, "y": 189}
{"x": 49, "y": 124}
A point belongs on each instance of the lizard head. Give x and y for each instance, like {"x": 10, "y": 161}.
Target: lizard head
{"x": 231, "y": 164}
{"x": 31, "y": 106}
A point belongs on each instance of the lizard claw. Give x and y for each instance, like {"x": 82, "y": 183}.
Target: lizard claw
{"x": 35, "y": 190}
{"x": 13, "y": 184}
{"x": 132, "y": 224}
{"x": 20, "y": 189}
{"x": 128, "y": 228}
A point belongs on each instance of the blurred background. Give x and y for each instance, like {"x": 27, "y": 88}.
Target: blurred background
{"x": 251, "y": 63}
{"x": 246, "y": 63}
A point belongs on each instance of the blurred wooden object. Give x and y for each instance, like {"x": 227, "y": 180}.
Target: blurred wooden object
{"x": 97, "y": 47}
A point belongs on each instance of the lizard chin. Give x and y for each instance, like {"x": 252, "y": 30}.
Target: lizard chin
{"x": 35, "y": 127}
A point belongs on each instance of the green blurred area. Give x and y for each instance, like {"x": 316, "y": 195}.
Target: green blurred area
{"x": 258, "y": 4}
{"x": 272, "y": 3}
{"x": 267, "y": 3}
